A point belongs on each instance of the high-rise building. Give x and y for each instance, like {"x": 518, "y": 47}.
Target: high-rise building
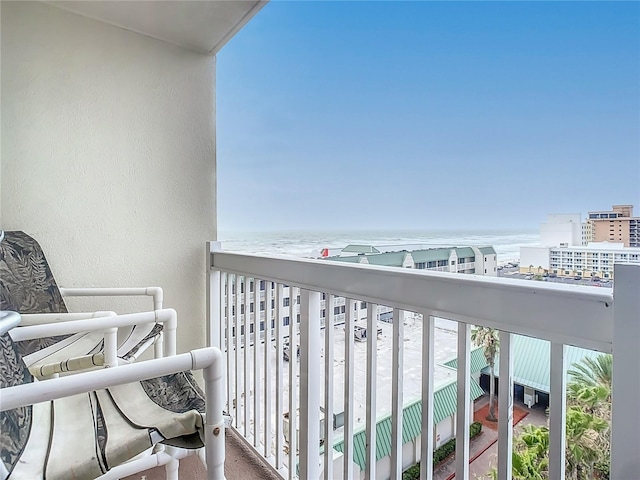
{"x": 615, "y": 225}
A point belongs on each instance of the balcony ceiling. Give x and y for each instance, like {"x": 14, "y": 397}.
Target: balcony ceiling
{"x": 202, "y": 26}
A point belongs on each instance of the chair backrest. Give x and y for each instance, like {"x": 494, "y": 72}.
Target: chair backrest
{"x": 27, "y": 284}
{"x": 14, "y": 424}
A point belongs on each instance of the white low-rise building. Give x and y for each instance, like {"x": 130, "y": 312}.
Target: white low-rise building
{"x": 594, "y": 260}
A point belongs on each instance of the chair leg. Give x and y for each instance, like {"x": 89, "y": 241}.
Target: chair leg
{"x": 171, "y": 469}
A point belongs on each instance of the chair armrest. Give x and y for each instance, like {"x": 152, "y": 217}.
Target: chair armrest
{"x": 209, "y": 359}
{"x": 29, "y": 319}
{"x": 155, "y": 292}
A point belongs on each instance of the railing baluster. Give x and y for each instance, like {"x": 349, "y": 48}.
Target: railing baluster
{"x": 348, "y": 388}
{"x": 464, "y": 401}
{"x": 247, "y": 349}
{"x": 293, "y": 362}
{"x": 214, "y": 300}
{"x": 256, "y": 362}
{"x": 279, "y": 378}
{"x": 229, "y": 341}
{"x": 428, "y": 366}
{"x": 372, "y": 370}
{"x": 238, "y": 340}
{"x": 557, "y": 411}
{"x": 221, "y": 307}
{"x": 267, "y": 372}
{"x": 309, "y": 384}
{"x": 625, "y": 425}
{"x": 505, "y": 407}
{"x": 328, "y": 386}
{"x": 397, "y": 401}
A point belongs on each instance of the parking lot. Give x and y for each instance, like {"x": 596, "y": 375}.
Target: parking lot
{"x": 514, "y": 272}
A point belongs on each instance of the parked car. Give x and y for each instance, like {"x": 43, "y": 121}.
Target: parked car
{"x": 595, "y": 279}
{"x": 553, "y": 275}
{"x": 577, "y": 277}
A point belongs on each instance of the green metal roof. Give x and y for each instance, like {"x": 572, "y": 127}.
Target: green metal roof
{"x": 465, "y": 252}
{"x": 487, "y": 250}
{"x": 531, "y": 361}
{"x": 389, "y": 259}
{"x": 430, "y": 255}
{"x": 445, "y": 405}
{"x": 351, "y": 259}
{"x": 360, "y": 249}
{"x": 478, "y": 362}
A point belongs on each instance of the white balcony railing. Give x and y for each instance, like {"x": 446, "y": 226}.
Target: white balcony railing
{"x": 262, "y": 387}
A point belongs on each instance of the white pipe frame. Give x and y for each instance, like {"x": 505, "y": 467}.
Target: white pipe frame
{"x": 155, "y": 292}
{"x": 167, "y": 316}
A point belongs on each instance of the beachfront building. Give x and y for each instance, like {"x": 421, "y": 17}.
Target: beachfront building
{"x": 615, "y": 225}
{"x": 474, "y": 260}
{"x": 595, "y": 260}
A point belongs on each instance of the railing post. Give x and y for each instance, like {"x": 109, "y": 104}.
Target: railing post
{"x": 372, "y": 372}
{"x": 557, "y": 411}
{"x": 625, "y": 424}
{"x": 464, "y": 401}
{"x": 213, "y": 297}
{"x": 397, "y": 400}
{"x": 505, "y": 407}
{"x": 309, "y": 384}
{"x": 428, "y": 367}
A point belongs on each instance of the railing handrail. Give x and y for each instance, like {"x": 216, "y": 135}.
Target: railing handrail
{"x": 543, "y": 310}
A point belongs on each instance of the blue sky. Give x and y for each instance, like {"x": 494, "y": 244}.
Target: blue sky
{"x": 427, "y": 115}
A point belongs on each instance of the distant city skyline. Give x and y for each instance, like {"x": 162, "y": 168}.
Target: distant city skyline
{"x": 427, "y": 115}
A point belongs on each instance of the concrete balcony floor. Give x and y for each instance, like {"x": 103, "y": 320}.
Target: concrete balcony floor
{"x": 240, "y": 464}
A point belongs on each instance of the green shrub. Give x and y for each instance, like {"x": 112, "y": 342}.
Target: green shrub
{"x": 441, "y": 454}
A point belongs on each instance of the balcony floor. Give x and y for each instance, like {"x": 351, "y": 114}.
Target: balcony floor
{"x": 240, "y": 464}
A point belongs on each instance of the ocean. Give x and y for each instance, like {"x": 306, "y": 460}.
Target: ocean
{"x": 301, "y": 243}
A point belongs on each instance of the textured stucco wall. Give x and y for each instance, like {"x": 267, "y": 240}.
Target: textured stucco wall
{"x": 108, "y": 156}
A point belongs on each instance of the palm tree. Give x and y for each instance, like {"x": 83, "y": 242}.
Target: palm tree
{"x": 488, "y": 338}
{"x": 593, "y": 371}
{"x": 589, "y": 391}
{"x": 583, "y": 445}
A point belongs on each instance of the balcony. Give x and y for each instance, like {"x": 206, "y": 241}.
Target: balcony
{"x": 262, "y": 388}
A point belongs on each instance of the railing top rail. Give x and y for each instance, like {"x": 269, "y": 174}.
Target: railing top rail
{"x": 580, "y": 316}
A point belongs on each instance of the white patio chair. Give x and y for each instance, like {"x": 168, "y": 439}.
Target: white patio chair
{"x": 93, "y": 424}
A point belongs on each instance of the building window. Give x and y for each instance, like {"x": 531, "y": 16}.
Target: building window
{"x": 262, "y": 285}
{"x": 420, "y": 266}
{"x": 262, "y": 305}
{"x": 251, "y": 307}
{"x": 336, "y": 310}
{"x": 363, "y": 305}
{"x": 286, "y": 301}
{"x": 285, "y": 321}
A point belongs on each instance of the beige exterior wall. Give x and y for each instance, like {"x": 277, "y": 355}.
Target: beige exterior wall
{"x": 611, "y": 231}
{"x": 108, "y": 157}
